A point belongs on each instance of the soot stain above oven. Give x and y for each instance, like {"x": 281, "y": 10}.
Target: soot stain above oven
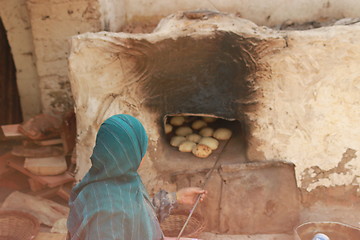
{"x": 201, "y": 75}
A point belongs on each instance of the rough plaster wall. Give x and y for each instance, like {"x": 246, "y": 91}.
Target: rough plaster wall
{"x": 100, "y": 75}
{"x": 15, "y": 18}
{"x": 53, "y": 23}
{"x": 310, "y": 111}
{"x": 55, "y": 20}
{"x": 95, "y": 101}
{"x": 261, "y": 12}
{"x": 114, "y": 14}
{"x": 308, "y": 105}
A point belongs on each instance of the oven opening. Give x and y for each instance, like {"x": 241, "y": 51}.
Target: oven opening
{"x": 194, "y": 139}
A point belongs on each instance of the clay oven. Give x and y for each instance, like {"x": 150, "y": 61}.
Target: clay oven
{"x": 202, "y": 64}
{"x": 195, "y": 65}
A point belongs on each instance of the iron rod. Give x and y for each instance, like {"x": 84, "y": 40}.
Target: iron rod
{"x": 199, "y": 196}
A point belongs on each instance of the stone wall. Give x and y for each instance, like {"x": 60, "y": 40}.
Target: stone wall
{"x": 17, "y": 24}
{"x": 53, "y": 23}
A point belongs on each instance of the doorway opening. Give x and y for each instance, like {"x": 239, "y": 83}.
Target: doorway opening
{"x": 10, "y": 108}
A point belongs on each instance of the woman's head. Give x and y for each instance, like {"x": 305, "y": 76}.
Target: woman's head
{"x": 121, "y": 143}
{"x": 112, "y": 191}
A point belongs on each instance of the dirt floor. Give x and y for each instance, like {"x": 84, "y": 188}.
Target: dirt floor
{"x": 343, "y": 214}
{"x": 317, "y": 213}
{"x": 334, "y": 211}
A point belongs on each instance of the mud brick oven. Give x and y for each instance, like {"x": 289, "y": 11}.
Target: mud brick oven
{"x": 293, "y": 104}
{"x": 289, "y": 97}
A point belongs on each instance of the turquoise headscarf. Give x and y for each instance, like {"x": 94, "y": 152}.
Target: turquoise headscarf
{"x": 111, "y": 202}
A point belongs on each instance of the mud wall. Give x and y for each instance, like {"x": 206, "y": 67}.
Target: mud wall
{"x": 307, "y": 95}
{"x": 47, "y": 25}
{"x": 52, "y": 24}
{"x": 309, "y": 110}
{"x": 268, "y": 13}
{"x": 17, "y": 23}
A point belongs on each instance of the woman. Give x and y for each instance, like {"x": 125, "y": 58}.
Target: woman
{"x": 111, "y": 202}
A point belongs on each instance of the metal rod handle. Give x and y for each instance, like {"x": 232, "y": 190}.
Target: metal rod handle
{"x": 199, "y": 197}
{"x": 188, "y": 218}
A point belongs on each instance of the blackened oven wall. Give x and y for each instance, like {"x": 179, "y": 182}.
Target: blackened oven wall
{"x": 207, "y": 75}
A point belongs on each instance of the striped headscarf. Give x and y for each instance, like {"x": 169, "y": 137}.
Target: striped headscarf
{"x": 111, "y": 202}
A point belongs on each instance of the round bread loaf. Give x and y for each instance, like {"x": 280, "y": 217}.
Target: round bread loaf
{"x": 210, "y": 142}
{"x": 168, "y": 128}
{"x": 183, "y": 131}
{"x": 206, "y": 132}
{"x": 177, "y": 140}
{"x": 177, "y": 121}
{"x": 201, "y": 151}
{"x": 198, "y": 124}
{"x": 186, "y": 146}
{"x": 222, "y": 134}
{"x": 193, "y": 137}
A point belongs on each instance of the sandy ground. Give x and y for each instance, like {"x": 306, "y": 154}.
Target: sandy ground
{"x": 318, "y": 212}
{"x": 344, "y": 213}
{"x": 210, "y": 236}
